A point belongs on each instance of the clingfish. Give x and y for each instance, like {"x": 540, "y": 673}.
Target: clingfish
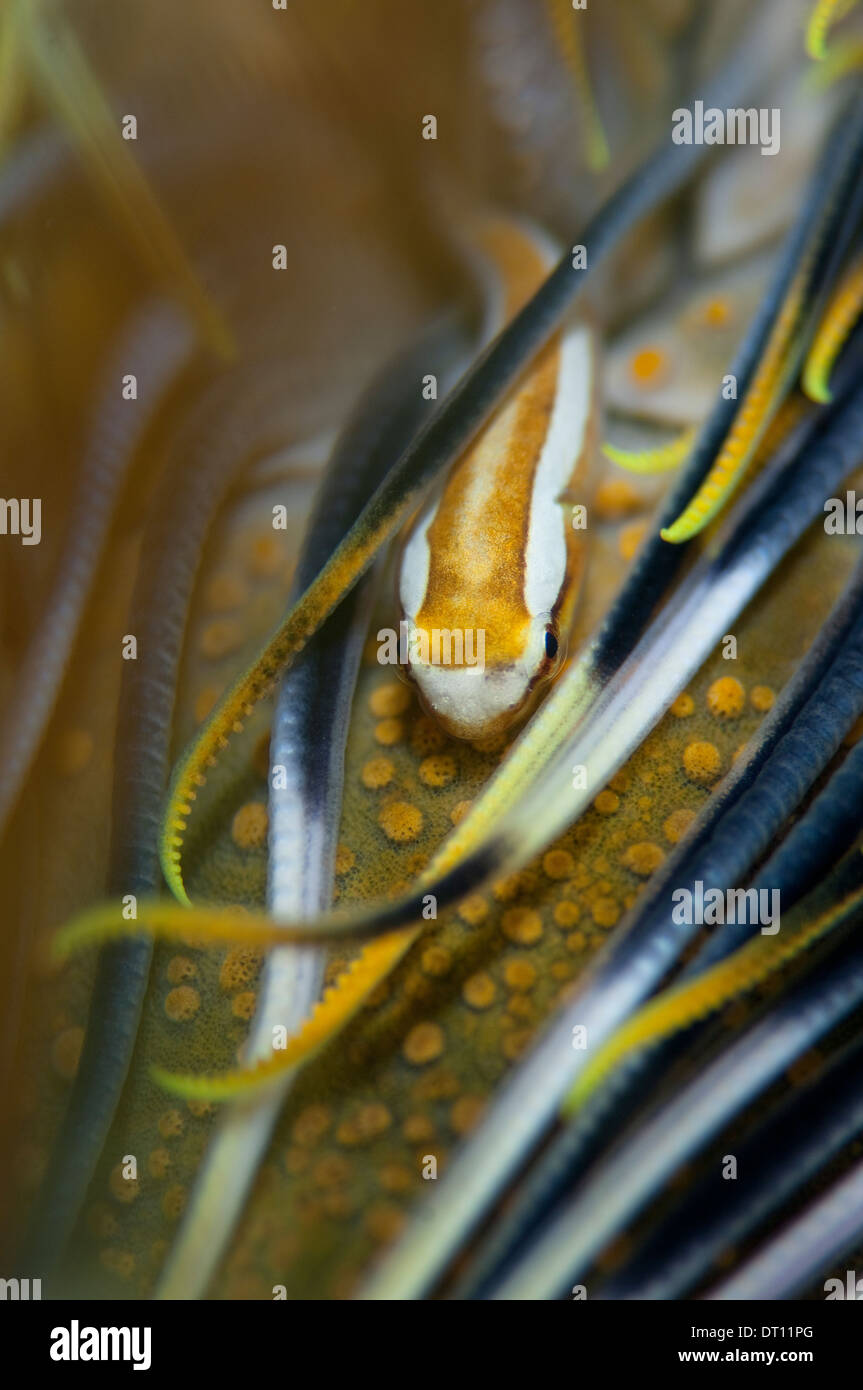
{"x": 492, "y": 567}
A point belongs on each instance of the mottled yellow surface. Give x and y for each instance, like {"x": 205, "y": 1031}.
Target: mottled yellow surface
{"x": 411, "y": 1075}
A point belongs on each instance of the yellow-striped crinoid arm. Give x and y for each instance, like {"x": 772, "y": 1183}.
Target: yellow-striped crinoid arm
{"x": 303, "y": 619}
{"x": 208, "y": 925}
{"x": 696, "y": 999}
{"x": 62, "y": 72}
{"x": 521, "y": 267}
{"x": 567, "y": 27}
{"x": 824, "y": 16}
{"x": 160, "y": 917}
{"x": 337, "y": 1007}
{"x": 661, "y": 460}
{"x": 675, "y": 452}
{"x": 750, "y": 422}
{"x": 791, "y": 413}
{"x": 840, "y": 316}
{"x": 844, "y": 56}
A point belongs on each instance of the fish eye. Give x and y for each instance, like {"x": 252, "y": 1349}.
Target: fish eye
{"x": 551, "y": 644}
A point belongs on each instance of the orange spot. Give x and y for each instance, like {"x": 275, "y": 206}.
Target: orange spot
{"x": 683, "y": 706}
{"x": 459, "y": 811}
{"x": 418, "y": 1129}
{"x": 158, "y": 1164}
{"x": 220, "y": 638}
{"x": 394, "y": 1177}
{"x": 311, "y": 1125}
{"x": 648, "y": 367}
{"x": 373, "y": 1119}
{"x": 438, "y": 770}
{"x": 400, "y": 821}
{"x": 331, "y": 1170}
{"x": 423, "y": 1044}
{"x": 465, "y": 1113}
{"x": 505, "y": 889}
{"x": 630, "y": 538}
{"x": 377, "y": 773}
{"x": 566, "y": 914}
{"x": 338, "y": 1204}
{"x": 702, "y": 762}
{"x": 345, "y": 860}
{"x": 761, "y": 697}
{"x": 119, "y": 1262}
{"x": 201, "y": 1109}
{"x": 426, "y": 736}
{"x": 171, "y": 1124}
{"x": 123, "y": 1189}
{"x": 479, "y": 991}
{"x": 243, "y": 1004}
{"x": 389, "y": 699}
{"x": 677, "y": 824}
{"x": 616, "y": 498}
{"x": 717, "y": 312}
{"x": 384, "y": 1223}
{"x": 180, "y": 969}
{"x": 416, "y": 986}
{"x": 558, "y": 863}
{"x": 607, "y": 803}
{"x": 605, "y": 912}
{"x": 492, "y": 743}
{"x": 182, "y": 1003}
{"x": 239, "y": 967}
{"x": 389, "y": 731}
{"x": 522, "y": 925}
{"x": 519, "y": 1006}
{"x": 726, "y": 698}
{"x": 560, "y": 970}
{"x": 473, "y": 910}
{"x": 249, "y": 826}
{"x": 515, "y": 1043}
{"x": 368, "y": 1123}
{"x": 519, "y": 974}
{"x": 265, "y": 557}
{"x": 174, "y": 1202}
{"x": 436, "y": 960}
{"x": 644, "y": 858}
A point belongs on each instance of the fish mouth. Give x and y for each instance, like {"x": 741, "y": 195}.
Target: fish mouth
{"x": 453, "y": 699}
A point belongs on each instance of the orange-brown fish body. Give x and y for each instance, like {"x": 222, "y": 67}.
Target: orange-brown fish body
{"x": 491, "y": 569}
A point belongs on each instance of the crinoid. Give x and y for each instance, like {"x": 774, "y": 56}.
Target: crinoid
{"x": 378, "y": 948}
